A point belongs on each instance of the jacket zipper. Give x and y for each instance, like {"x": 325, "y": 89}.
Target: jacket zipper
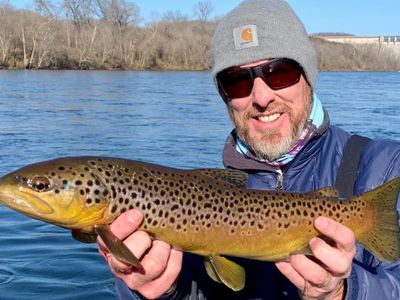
{"x": 279, "y": 180}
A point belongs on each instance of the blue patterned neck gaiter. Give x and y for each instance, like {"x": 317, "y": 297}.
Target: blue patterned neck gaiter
{"x": 310, "y": 129}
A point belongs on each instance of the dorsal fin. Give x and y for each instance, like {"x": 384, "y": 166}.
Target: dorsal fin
{"x": 232, "y": 176}
{"x": 328, "y": 191}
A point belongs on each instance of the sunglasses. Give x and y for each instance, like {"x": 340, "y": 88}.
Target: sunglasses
{"x": 278, "y": 73}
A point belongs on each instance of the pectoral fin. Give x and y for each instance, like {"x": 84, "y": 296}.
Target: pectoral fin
{"x": 116, "y": 247}
{"x": 84, "y": 237}
{"x": 223, "y": 270}
{"x": 210, "y": 270}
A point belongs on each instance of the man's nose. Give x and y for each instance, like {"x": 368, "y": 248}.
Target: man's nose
{"x": 261, "y": 94}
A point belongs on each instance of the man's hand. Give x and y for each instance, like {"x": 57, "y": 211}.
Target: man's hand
{"x": 323, "y": 277}
{"x": 161, "y": 264}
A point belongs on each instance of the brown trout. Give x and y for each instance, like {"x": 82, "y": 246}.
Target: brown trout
{"x": 208, "y": 212}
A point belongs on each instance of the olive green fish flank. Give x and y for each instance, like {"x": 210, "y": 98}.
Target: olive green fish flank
{"x": 208, "y": 212}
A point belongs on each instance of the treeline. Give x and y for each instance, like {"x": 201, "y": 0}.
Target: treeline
{"x": 109, "y": 34}
{"x": 103, "y": 34}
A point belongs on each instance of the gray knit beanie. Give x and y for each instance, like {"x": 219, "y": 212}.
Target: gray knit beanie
{"x": 261, "y": 29}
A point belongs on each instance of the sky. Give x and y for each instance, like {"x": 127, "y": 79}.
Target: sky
{"x": 358, "y": 17}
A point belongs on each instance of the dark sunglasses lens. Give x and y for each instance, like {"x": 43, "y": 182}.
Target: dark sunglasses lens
{"x": 235, "y": 83}
{"x": 281, "y": 74}
{"x": 277, "y": 74}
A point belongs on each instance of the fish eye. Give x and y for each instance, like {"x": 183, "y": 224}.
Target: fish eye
{"x": 40, "y": 184}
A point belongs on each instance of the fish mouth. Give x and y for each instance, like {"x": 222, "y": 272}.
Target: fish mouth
{"x": 26, "y": 203}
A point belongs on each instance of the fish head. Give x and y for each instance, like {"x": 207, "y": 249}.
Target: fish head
{"x": 64, "y": 191}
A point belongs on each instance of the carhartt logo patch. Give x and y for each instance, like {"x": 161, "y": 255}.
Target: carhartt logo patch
{"x": 245, "y": 37}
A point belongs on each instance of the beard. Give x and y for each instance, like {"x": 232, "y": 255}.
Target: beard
{"x": 272, "y": 144}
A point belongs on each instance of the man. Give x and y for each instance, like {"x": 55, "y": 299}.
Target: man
{"x": 265, "y": 69}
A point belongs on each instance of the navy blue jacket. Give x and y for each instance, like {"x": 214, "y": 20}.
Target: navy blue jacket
{"x": 316, "y": 166}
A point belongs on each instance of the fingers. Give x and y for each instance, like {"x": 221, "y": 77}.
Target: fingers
{"x": 310, "y": 271}
{"x": 342, "y": 235}
{"x": 167, "y": 279}
{"x": 138, "y": 243}
{"x": 311, "y": 279}
{"x": 123, "y": 226}
{"x": 127, "y": 223}
{"x": 155, "y": 261}
{"x": 323, "y": 274}
{"x": 161, "y": 265}
{"x": 300, "y": 270}
{"x": 337, "y": 257}
{"x": 286, "y": 269}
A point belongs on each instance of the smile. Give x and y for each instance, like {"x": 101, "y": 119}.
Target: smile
{"x": 269, "y": 118}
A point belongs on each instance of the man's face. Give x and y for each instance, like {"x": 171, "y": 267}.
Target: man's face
{"x": 271, "y": 121}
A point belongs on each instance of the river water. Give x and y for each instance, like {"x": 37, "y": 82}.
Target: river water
{"x": 171, "y": 118}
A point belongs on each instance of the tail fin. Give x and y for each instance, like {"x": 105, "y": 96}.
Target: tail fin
{"x": 383, "y": 240}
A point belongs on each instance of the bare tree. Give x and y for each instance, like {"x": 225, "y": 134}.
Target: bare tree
{"x": 37, "y": 38}
{"x": 203, "y": 9}
{"x": 174, "y": 17}
{"x": 120, "y": 12}
{"x": 7, "y": 33}
{"x": 45, "y": 8}
{"x": 81, "y": 12}
{"x": 121, "y": 15}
